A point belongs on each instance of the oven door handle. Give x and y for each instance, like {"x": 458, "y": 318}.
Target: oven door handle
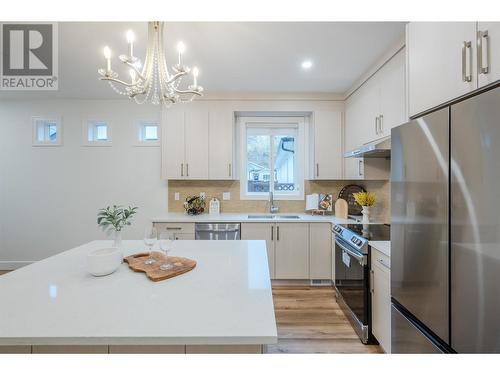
{"x": 359, "y": 258}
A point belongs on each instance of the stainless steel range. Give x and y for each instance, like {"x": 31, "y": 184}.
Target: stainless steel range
{"x": 352, "y": 272}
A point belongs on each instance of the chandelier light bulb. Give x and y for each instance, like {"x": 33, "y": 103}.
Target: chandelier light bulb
{"x": 133, "y": 74}
{"x": 130, "y": 36}
{"x": 107, "y": 52}
{"x": 196, "y": 72}
{"x": 181, "y": 47}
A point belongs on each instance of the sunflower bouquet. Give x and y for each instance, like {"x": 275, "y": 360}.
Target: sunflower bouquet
{"x": 364, "y": 198}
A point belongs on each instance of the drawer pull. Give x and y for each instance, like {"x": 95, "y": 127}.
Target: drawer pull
{"x": 381, "y": 261}
{"x": 173, "y": 228}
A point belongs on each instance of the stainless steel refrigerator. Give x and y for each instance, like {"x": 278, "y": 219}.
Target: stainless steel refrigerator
{"x": 445, "y": 232}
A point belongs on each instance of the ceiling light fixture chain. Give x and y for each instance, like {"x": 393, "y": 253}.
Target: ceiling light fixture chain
{"x": 153, "y": 82}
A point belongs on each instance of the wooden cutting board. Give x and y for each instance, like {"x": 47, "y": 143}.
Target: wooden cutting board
{"x": 153, "y": 271}
{"x": 341, "y": 208}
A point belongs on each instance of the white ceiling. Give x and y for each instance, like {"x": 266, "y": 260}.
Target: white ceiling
{"x": 232, "y": 57}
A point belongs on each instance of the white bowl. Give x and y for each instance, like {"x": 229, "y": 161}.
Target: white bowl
{"x": 105, "y": 261}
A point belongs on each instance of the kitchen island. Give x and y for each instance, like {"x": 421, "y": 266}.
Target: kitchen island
{"x": 223, "y": 305}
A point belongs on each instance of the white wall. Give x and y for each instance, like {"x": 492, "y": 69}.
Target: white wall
{"x": 50, "y": 195}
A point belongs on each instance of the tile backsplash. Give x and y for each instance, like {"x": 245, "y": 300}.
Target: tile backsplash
{"x": 381, "y": 210}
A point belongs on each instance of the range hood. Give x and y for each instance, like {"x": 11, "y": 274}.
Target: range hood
{"x": 381, "y": 148}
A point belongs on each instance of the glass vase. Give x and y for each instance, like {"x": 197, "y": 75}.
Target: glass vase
{"x": 117, "y": 239}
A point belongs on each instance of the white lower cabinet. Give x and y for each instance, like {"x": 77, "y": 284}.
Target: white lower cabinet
{"x": 381, "y": 299}
{"x": 320, "y": 251}
{"x": 297, "y": 251}
{"x": 261, "y": 231}
{"x": 292, "y": 251}
{"x": 177, "y": 231}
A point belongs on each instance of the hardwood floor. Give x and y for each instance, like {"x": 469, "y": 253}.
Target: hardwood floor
{"x": 309, "y": 320}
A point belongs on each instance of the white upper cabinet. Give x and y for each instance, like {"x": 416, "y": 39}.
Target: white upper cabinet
{"x": 220, "y": 142}
{"x": 185, "y": 142}
{"x": 376, "y": 107}
{"x": 326, "y": 140}
{"x": 391, "y": 82}
{"x": 442, "y": 63}
{"x": 488, "y": 45}
{"x": 173, "y": 143}
{"x": 196, "y": 142}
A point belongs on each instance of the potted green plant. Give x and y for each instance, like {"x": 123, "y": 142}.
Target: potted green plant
{"x": 113, "y": 219}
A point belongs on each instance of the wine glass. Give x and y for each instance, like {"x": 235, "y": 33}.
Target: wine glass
{"x": 166, "y": 243}
{"x": 150, "y": 236}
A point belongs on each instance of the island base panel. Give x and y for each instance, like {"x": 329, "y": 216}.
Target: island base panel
{"x": 15, "y": 349}
{"x": 147, "y": 349}
{"x": 70, "y": 349}
{"x": 131, "y": 349}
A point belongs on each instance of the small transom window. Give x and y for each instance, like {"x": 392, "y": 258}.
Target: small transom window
{"x": 148, "y": 133}
{"x": 97, "y": 133}
{"x": 46, "y": 132}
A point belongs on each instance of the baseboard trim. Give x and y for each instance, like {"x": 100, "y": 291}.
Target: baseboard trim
{"x": 13, "y": 265}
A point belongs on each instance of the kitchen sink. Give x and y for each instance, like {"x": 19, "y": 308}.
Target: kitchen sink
{"x": 288, "y": 217}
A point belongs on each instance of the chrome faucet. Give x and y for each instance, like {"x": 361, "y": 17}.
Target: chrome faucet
{"x": 272, "y": 208}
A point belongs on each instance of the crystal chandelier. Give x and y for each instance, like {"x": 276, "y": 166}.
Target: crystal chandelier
{"x": 154, "y": 82}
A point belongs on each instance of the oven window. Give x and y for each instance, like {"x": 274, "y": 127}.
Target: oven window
{"x": 352, "y": 282}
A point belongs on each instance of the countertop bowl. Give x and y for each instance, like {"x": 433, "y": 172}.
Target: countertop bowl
{"x": 102, "y": 262}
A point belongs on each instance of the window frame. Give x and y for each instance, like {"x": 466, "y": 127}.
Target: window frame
{"x": 59, "y": 131}
{"x": 97, "y": 143}
{"x": 139, "y": 129}
{"x": 273, "y": 123}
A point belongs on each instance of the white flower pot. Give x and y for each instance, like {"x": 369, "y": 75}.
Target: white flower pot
{"x": 366, "y": 214}
{"x": 105, "y": 261}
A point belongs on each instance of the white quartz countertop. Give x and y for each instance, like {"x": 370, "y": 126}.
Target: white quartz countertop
{"x": 226, "y": 299}
{"x": 383, "y": 246}
{"x": 243, "y": 217}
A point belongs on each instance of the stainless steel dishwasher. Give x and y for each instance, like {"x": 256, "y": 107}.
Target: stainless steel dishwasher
{"x": 217, "y": 231}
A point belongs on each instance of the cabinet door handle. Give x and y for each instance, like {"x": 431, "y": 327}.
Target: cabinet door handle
{"x": 376, "y": 125}
{"x": 482, "y": 65}
{"x": 317, "y": 169}
{"x": 278, "y": 233}
{"x": 381, "y": 123}
{"x": 381, "y": 261}
{"x": 372, "y": 282}
{"x": 466, "y": 46}
{"x": 182, "y": 170}
{"x": 272, "y": 233}
{"x": 359, "y": 167}
{"x": 229, "y": 169}
{"x": 187, "y": 169}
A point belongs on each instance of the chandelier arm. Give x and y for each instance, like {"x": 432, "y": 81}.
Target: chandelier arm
{"x": 139, "y": 73}
{"x": 175, "y": 77}
{"x": 117, "y": 81}
{"x": 187, "y": 92}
